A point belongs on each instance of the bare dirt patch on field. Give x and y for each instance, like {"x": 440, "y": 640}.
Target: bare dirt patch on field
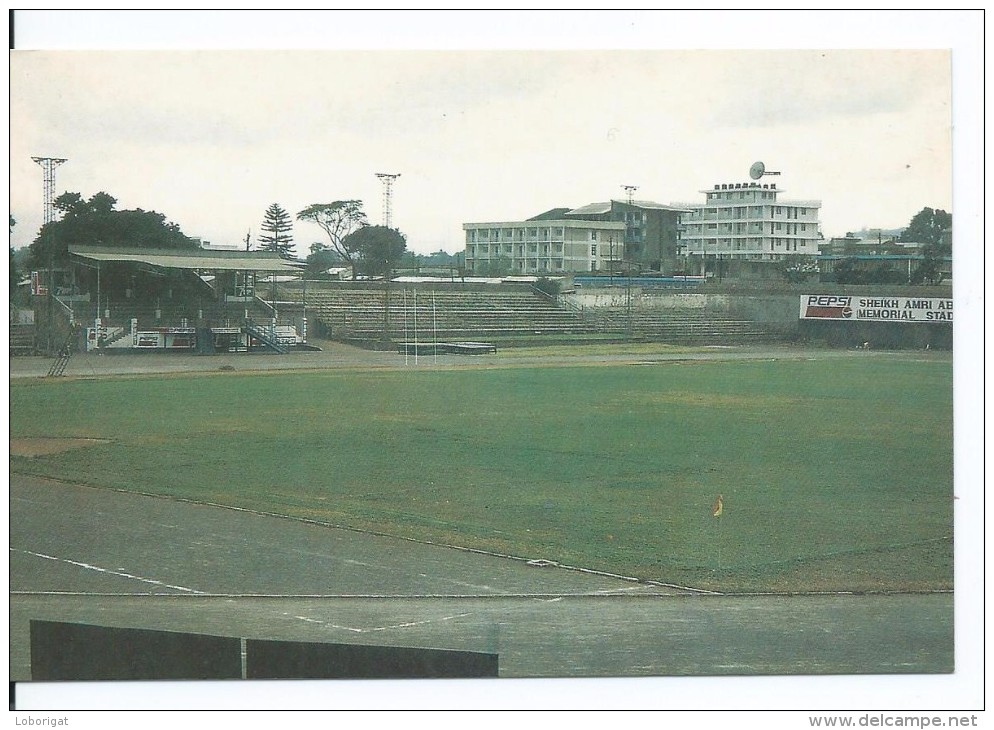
{"x": 31, "y": 447}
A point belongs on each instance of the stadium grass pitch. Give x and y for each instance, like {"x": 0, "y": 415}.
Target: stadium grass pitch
{"x": 836, "y": 475}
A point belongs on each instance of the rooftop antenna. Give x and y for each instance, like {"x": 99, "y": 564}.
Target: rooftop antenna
{"x": 387, "y": 179}
{"x": 48, "y": 165}
{"x": 758, "y": 169}
{"x": 630, "y": 190}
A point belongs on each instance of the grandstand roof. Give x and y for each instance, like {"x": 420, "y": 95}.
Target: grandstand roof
{"x": 189, "y": 258}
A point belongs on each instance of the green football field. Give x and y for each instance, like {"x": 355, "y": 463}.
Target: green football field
{"x": 836, "y": 475}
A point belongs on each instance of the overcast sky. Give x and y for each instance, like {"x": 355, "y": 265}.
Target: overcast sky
{"x": 211, "y": 138}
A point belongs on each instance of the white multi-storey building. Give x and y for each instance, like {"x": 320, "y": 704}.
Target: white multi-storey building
{"x": 748, "y": 222}
{"x": 546, "y": 244}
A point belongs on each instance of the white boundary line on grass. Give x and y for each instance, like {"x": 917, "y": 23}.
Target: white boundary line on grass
{"x": 107, "y": 571}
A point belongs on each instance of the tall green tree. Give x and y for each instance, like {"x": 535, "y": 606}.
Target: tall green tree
{"x": 96, "y": 222}
{"x": 928, "y": 227}
{"x": 338, "y": 220}
{"x": 15, "y": 275}
{"x": 277, "y": 235}
{"x": 376, "y": 249}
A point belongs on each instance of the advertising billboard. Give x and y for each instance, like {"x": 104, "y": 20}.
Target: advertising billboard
{"x": 876, "y": 309}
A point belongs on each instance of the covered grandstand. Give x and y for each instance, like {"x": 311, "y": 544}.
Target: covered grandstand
{"x": 131, "y": 299}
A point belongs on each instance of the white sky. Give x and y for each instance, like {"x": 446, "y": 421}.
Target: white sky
{"x": 211, "y": 138}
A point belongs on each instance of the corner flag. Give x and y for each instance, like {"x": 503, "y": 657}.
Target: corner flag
{"x": 718, "y": 508}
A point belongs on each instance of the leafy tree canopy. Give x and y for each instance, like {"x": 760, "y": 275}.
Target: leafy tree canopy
{"x": 15, "y": 275}
{"x": 95, "y": 222}
{"x": 321, "y": 259}
{"x": 377, "y": 249}
{"x": 338, "y": 219}
{"x": 927, "y": 227}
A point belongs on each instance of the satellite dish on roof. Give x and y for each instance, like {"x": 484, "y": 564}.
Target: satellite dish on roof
{"x": 758, "y": 169}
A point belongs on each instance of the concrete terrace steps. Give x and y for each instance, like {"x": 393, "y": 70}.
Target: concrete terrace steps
{"x": 682, "y": 324}
{"x": 360, "y": 312}
{"x": 21, "y": 339}
{"x": 450, "y": 315}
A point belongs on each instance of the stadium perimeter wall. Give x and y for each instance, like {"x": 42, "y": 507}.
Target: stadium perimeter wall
{"x": 777, "y": 308}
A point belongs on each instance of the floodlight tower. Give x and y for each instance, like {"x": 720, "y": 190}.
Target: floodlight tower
{"x": 387, "y": 179}
{"x": 629, "y": 215}
{"x": 630, "y": 191}
{"x": 48, "y": 165}
{"x": 629, "y": 234}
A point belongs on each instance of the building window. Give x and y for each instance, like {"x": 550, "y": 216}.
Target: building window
{"x": 593, "y": 235}
{"x": 593, "y": 250}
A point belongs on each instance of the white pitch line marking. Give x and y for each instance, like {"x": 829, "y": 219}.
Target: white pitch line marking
{"x": 381, "y": 628}
{"x": 345, "y": 628}
{"x": 419, "y": 623}
{"x": 609, "y": 591}
{"x": 98, "y": 569}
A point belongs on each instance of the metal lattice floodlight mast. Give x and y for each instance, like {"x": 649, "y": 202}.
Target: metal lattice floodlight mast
{"x": 629, "y": 214}
{"x": 48, "y": 165}
{"x": 387, "y": 180}
{"x": 629, "y": 236}
{"x": 630, "y": 190}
